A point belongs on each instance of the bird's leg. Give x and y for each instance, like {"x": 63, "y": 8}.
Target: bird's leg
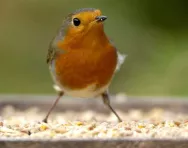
{"x": 53, "y": 106}
{"x": 106, "y": 101}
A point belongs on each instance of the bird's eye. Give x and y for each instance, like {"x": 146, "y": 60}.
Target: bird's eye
{"x": 76, "y": 22}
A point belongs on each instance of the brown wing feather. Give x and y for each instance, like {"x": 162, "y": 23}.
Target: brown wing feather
{"x": 51, "y": 53}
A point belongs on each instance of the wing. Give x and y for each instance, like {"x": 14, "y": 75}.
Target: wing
{"x": 53, "y": 50}
{"x": 51, "y": 54}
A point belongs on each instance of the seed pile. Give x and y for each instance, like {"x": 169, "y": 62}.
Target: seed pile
{"x": 157, "y": 123}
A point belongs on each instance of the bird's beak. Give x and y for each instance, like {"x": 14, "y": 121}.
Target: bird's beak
{"x": 101, "y": 18}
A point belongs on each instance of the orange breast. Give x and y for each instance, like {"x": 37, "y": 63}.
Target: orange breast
{"x": 76, "y": 69}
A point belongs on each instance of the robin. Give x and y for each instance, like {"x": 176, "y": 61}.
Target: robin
{"x": 82, "y": 59}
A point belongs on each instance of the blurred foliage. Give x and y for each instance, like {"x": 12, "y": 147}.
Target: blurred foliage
{"x": 153, "y": 33}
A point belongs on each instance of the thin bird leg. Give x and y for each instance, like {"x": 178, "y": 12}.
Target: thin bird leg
{"x": 53, "y": 106}
{"x": 106, "y": 101}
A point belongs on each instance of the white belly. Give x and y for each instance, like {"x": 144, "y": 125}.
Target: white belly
{"x": 89, "y": 92}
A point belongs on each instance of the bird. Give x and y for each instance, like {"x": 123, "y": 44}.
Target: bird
{"x": 82, "y": 59}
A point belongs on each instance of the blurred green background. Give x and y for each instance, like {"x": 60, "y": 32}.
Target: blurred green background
{"x": 153, "y": 33}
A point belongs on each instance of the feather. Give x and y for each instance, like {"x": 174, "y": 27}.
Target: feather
{"x": 121, "y": 59}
